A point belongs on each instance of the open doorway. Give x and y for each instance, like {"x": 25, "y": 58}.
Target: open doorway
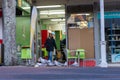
{"x": 52, "y": 19}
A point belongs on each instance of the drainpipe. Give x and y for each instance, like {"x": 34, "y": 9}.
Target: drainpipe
{"x": 103, "y": 62}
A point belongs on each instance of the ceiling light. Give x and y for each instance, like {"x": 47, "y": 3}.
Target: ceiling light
{"x": 52, "y": 6}
{"x": 84, "y": 14}
{"x": 57, "y": 19}
{"x": 51, "y": 12}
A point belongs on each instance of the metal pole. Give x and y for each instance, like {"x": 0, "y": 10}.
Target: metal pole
{"x": 103, "y": 43}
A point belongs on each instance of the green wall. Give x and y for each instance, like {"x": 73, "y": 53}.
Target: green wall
{"x": 23, "y": 31}
{"x": 43, "y": 27}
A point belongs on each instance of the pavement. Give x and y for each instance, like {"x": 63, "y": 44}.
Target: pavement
{"x": 58, "y": 73}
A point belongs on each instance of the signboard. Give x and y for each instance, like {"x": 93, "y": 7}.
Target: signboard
{"x": 110, "y": 15}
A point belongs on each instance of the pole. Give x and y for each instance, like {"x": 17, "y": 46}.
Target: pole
{"x": 102, "y": 43}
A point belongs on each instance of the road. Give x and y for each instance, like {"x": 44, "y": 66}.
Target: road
{"x": 58, "y": 73}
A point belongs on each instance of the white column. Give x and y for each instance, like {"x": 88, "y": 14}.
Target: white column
{"x": 102, "y": 43}
{"x": 96, "y": 34}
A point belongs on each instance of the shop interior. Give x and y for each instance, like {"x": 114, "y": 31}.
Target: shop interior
{"x": 80, "y": 23}
{"x": 52, "y": 19}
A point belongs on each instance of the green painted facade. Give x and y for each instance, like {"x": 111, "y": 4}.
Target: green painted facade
{"x": 23, "y": 31}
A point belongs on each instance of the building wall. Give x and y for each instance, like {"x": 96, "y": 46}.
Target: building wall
{"x": 23, "y": 31}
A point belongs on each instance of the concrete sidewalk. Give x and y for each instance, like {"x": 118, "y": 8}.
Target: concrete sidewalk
{"x": 58, "y": 73}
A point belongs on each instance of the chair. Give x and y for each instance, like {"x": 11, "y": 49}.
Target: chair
{"x": 44, "y": 54}
{"x": 26, "y": 55}
{"x": 80, "y": 55}
{"x": 69, "y": 56}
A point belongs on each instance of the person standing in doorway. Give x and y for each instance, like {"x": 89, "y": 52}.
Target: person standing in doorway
{"x": 50, "y": 44}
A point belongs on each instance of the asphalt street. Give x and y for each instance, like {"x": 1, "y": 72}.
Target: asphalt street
{"x": 58, "y": 73}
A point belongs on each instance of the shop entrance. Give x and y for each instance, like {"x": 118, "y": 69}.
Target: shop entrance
{"x": 52, "y": 20}
{"x": 77, "y": 34}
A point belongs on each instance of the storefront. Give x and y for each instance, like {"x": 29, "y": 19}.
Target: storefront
{"x": 95, "y": 24}
{"x": 100, "y": 47}
{"x": 111, "y": 33}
